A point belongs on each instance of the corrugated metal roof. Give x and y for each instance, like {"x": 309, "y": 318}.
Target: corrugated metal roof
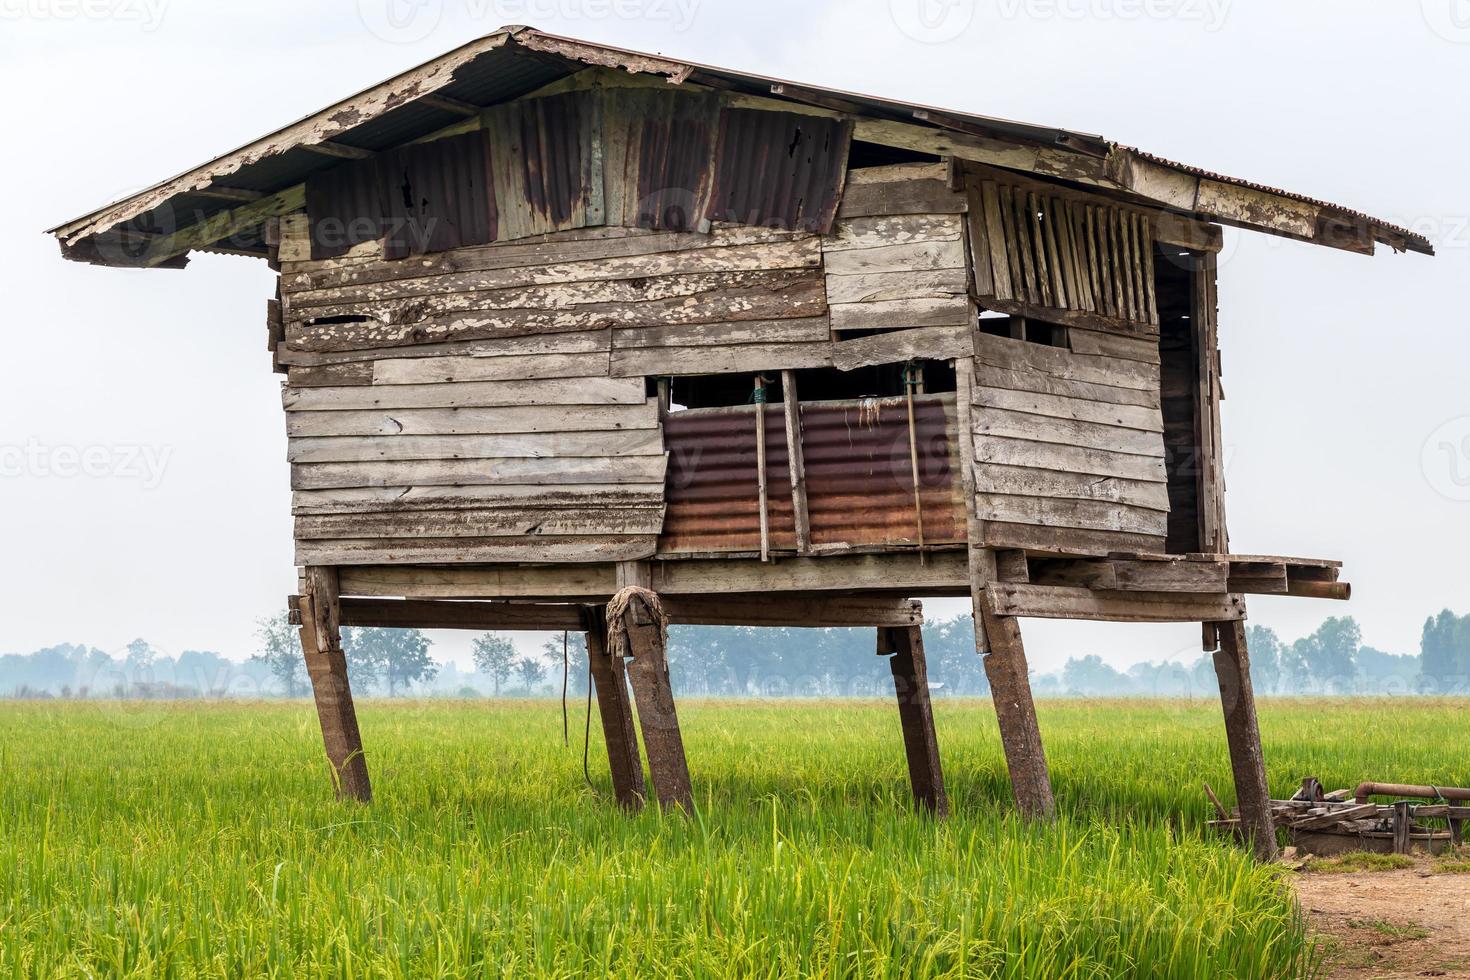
{"x": 517, "y": 60}
{"x": 1268, "y": 189}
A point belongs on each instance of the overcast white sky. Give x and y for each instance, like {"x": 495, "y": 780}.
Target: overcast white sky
{"x": 1348, "y": 412}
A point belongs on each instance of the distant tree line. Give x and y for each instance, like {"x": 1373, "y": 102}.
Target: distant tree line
{"x": 735, "y": 661}
{"x": 1330, "y": 660}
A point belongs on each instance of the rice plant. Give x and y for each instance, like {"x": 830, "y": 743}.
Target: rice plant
{"x": 199, "y": 839}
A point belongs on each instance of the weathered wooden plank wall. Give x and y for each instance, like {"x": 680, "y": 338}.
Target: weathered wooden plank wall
{"x": 1069, "y": 448}
{"x": 488, "y": 402}
{"x": 488, "y": 443}
{"x": 896, "y": 259}
{"x": 427, "y": 398}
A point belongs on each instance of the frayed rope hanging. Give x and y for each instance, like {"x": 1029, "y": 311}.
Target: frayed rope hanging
{"x": 617, "y": 630}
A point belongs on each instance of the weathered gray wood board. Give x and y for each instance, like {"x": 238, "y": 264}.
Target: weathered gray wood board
{"x": 475, "y": 446}
{"x": 890, "y": 266}
{"x": 1036, "y": 246}
{"x": 1068, "y": 441}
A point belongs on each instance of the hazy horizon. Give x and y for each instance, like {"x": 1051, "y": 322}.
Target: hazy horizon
{"x": 143, "y": 447}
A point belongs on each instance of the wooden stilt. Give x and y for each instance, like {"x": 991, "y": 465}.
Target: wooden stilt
{"x": 1237, "y": 697}
{"x": 326, "y": 665}
{"x": 911, "y": 685}
{"x": 648, "y": 673}
{"x": 616, "y": 711}
{"x": 1020, "y": 734}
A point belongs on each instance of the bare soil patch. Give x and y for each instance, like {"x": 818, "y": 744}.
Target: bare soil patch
{"x": 1390, "y": 921}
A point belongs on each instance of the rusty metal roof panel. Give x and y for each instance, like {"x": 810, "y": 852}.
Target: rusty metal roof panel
{"x": 514, "y": 61}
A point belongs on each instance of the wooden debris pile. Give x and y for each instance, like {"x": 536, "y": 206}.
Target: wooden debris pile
{"x": 1327, "y": 823}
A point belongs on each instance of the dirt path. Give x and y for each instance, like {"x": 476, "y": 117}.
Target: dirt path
{"x": 1403, "y": 923}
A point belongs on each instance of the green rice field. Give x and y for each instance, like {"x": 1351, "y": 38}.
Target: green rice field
{"x": 200, "y": 839}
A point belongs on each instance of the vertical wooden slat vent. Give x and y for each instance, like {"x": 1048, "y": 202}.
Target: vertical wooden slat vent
{"x": 1034, "y": 247}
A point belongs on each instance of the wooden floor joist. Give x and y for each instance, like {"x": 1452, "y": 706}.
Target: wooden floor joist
{"x": 1068, "y": 602}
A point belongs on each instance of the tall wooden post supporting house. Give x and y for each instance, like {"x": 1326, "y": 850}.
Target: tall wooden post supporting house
{"x": 564, "y": 326}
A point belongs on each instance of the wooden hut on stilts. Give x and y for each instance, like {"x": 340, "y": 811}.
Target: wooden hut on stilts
{"x": 577, "y": 338}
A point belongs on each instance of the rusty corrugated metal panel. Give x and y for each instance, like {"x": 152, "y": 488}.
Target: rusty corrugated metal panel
{"x": 859, "y": 477}
{"x": 779, "y": 169}
{"x": 345, "y": 206}
{"x": 423, "y": 198}
{"x": 539, "y": 157}
{"x": 712, "y": 491}
{"x": 552, "y": 147}
{"x": 675, "y": 159}
{"x": 439, "y": 196}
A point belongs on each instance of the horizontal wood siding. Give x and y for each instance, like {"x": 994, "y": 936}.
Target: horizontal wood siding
{"x": 1069, "y": 448}
{"x": 475, "y": 443}
{"x": 890, "y": 267}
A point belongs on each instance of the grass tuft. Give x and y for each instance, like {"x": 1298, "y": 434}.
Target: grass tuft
{"x": 1359, "y": 861}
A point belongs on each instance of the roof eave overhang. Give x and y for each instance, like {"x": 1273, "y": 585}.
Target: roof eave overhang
{"x": 1058, "y": 154}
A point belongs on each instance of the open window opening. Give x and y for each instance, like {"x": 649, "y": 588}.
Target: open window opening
{"x": 1029, "y": 329}
{"x": 862, "y": 154}
{"x": 928, "y": 377}
{"x": 1179, "y": 358}
{"x": 717, "y": 390}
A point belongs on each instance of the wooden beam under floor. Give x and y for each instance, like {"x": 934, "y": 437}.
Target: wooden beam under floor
{"x": 795, "y": 611}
